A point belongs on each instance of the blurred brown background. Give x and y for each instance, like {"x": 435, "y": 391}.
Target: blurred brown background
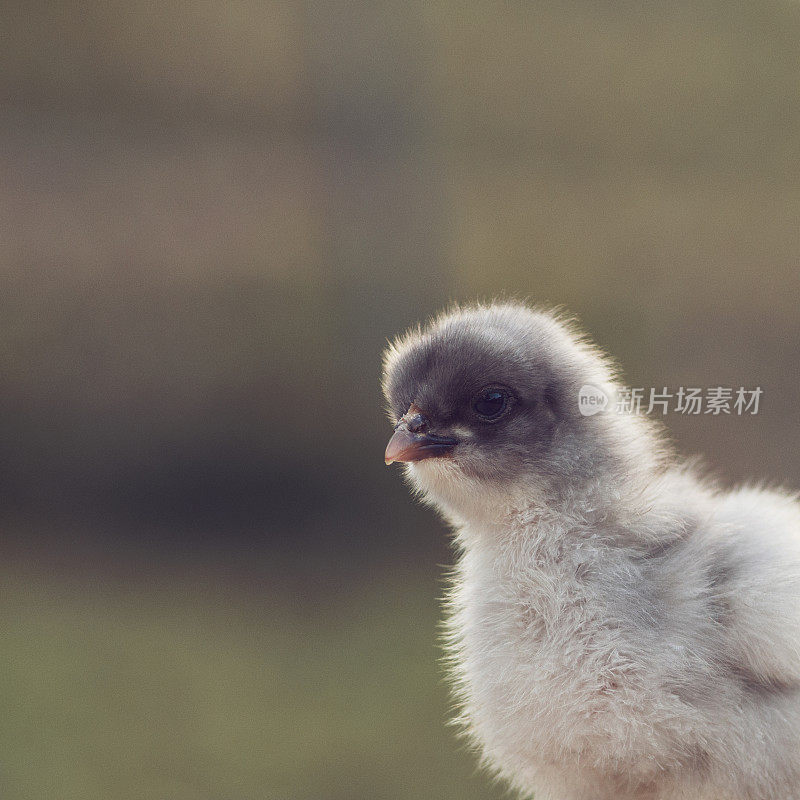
{"x": 213, "y": 215}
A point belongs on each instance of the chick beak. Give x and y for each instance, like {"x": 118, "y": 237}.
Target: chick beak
{"x": 413, "y": 442}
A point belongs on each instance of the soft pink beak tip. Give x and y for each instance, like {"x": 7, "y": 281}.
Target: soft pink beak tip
{"x": 398, "y": 446}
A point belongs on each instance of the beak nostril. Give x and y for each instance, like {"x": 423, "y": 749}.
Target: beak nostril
{"x": 416, "y": 423}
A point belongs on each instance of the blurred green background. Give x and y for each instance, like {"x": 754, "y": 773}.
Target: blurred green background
{"x": 213, "y": 215}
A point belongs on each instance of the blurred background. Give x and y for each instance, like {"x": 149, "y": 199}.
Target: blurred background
{"x": 212, "y": 216}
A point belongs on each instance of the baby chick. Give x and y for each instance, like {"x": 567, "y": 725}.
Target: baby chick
{"x": 620, "y": 628}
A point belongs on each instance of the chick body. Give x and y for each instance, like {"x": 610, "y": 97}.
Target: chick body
{"x": 619, "y": 627}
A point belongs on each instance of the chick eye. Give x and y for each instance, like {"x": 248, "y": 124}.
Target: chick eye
{"x": 490, "y": 403}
